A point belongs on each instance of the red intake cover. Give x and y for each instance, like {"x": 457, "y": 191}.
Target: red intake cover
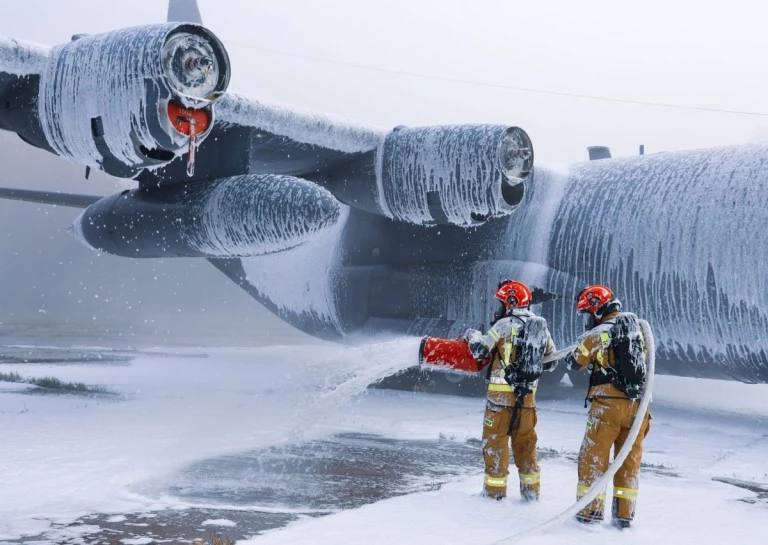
{"x": 180, "y": 118}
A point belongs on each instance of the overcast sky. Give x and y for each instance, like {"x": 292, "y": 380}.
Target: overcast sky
{"x": 314, "y": 55}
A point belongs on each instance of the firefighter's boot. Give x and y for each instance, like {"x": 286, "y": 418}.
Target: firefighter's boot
{"x": 589, "y": 517}
{"x": 529, "y": 492}
{"x": 530, "y": 486}
{"x": 495, "y": 494}
{"x": 622, "y": 523}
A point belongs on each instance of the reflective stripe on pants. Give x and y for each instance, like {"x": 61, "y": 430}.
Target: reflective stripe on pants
{"x": 496, "y": 443}
{"x": 607, "y": 428}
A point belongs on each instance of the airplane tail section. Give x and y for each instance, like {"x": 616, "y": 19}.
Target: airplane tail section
{"x": 184, "y": 11}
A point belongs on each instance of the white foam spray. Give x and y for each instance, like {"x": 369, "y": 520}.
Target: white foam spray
{"x": 329, "y": 383}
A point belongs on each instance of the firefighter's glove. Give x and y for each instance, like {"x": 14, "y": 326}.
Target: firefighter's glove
{"x": 570, "y": 363}
{"x": 476, "y": 344}
{"x": 471, "y": 334}
{"x": 464, "y": 337}
{"x": 551, "y": 365}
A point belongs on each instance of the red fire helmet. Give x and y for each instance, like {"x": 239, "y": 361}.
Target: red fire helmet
{"x": 514, "y": 294}
{"x": 592, "y": 298}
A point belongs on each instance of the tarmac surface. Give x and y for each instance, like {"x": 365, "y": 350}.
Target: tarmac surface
{"x": 244, "y": 495}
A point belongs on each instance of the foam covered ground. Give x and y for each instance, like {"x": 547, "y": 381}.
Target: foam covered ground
{"x": 66, "y": 456}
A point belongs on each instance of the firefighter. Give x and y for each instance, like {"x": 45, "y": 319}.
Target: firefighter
{"x": 612, "y": 410}
{"x": 511, "y": 410}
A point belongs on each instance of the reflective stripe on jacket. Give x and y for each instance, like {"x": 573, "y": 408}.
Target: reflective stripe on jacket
{"x": 501, "y": 341}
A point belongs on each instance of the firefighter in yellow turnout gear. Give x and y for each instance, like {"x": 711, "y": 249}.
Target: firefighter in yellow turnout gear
{"x": 612, "y": 410}
{"x": 511, "y": 411}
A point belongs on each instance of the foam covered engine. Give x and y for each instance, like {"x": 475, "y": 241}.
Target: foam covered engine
{"x": 232, "y": 217}
{"x": 461, "y": 174}
{"x": 103, "y": 100}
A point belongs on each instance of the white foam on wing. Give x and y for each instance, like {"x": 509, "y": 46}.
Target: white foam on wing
{"x": 259, "y": 214}
{"x": 108, "y": 76}
{"x": 301, "y": 280}
{"x": 22, "y": 58}
{"x": 298, "y": 125}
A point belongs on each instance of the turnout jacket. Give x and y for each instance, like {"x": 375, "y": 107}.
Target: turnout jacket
{"x": 500, "y": 342}
{"x": 593, "y": 351}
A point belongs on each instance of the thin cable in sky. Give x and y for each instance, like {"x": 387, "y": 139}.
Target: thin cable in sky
{"x": 499, "y": 85}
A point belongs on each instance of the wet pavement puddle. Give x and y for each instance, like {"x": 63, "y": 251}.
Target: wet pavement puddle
{"x": 243, "y": 495}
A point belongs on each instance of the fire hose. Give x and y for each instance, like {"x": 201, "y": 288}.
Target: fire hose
{"x": 601, "y": 483}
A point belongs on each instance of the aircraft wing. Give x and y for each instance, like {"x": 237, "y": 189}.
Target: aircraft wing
{"x": 71, "y": 200}
{"x": 252, "y": 136}
{"x": 144, "y": 103}
{"x": 221, "y": 175}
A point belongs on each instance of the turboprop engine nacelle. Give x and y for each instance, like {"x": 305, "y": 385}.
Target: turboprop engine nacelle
{"x": 454, "y": 174}
{"x": 232, "y": 217}
{"x": 463, "y": 174}
{"x": 133, "y": 98}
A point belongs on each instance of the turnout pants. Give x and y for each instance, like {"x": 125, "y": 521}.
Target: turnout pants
{"x": 608, "y": 426}
{"x": 496, "y": 440}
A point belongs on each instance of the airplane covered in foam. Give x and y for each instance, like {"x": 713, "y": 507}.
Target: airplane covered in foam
{"x": 345, "y": 230}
